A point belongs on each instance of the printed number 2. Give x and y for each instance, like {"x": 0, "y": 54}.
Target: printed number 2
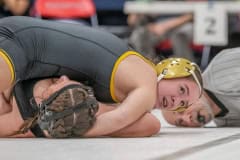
{"x": 211, "y": 22}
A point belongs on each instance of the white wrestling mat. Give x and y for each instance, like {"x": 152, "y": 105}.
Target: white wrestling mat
{"x": 171, "y": 144}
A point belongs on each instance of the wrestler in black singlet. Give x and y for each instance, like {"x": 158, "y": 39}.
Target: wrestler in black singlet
{"x": 40, "y": 49}
{"x": 36, "y": 49}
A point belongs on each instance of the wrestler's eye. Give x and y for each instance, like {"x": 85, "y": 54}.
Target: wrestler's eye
{"x": 182, "y": 90}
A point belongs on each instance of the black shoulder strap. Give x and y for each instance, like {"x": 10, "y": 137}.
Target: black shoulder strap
{"x": 224, "y": 109}
{"x": 23, "y": 92}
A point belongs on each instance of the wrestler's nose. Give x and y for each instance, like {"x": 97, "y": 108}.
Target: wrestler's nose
{"x": 63, "y": 79}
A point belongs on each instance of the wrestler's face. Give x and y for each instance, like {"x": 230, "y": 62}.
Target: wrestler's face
{"x": 176, "y": 93}
{"x": 45, "y": 88}
{"x": 57, "y": 84}
{"x": 196, "y": 115}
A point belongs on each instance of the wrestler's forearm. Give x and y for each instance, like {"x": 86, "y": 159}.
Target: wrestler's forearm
{"x": 145, "y": 126}
{"x": 135, "y": 105}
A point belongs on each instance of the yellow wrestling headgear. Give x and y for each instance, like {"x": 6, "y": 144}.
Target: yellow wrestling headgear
{"x": 179, "y": 68}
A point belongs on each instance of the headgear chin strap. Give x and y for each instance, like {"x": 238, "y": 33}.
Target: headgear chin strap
{"x": 178, "y": 68}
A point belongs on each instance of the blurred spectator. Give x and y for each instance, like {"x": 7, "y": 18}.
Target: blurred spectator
{"x": 15, "y": 7}
{"x": 148, "y": 31}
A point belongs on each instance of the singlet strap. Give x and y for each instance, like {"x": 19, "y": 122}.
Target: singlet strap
{"x": 23, "y": 92}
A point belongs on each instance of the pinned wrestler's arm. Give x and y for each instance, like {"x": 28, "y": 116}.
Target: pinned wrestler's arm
{"x": 146, "y": 125}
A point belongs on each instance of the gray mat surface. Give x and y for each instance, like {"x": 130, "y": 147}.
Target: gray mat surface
{"x": 172, "y": 143}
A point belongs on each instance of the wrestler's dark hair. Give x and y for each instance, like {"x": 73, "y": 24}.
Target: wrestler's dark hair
{"x": 68, "y": 98}
{"x": 69, "y": 112}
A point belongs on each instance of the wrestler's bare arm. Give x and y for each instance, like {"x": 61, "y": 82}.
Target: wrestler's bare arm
{"x": 147, "y": 125}
{"x": 6, "y": 76}
{"x": 135, "y": 87}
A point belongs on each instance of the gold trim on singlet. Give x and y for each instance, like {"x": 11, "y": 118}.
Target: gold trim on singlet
{"x": 120, "y": 59}
{"x": 9, "y": 62}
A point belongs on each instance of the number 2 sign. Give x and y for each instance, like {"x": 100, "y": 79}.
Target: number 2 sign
{"x": 210, "y": 25}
